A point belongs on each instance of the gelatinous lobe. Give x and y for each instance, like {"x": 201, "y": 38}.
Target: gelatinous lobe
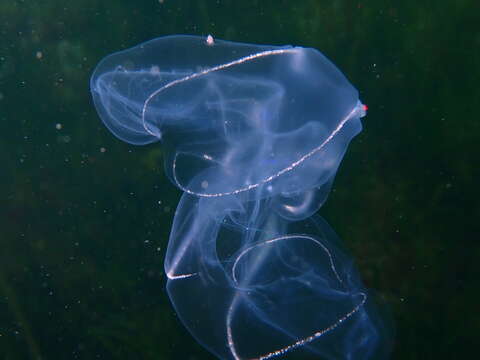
{"x": 253, "y": 135}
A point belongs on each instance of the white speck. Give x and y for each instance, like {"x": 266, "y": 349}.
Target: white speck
{"x": 210, "y": 40}
{"x": 102, "y": 149}
{"x": 204, "y": 184}
{"x": 58, "y": 126}
{"x": 39, "y": 55}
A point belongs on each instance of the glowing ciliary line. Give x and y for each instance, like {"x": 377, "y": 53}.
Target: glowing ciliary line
{"x": 172, "y": 276}
{"x": 300, "y": 342}
{"x": 314, "y": 336}
{"x": 207, "y": 71}
{"x": 359, "y": 110}
{"x": 285, "y": 237}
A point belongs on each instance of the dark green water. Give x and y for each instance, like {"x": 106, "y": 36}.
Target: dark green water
{"x": 85, "y": 218}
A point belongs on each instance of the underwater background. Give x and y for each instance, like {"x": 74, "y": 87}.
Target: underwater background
{"x": 85, "y": 217}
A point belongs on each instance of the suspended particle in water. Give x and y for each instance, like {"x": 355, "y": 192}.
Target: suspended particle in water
{"x": 210, "y": 40}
